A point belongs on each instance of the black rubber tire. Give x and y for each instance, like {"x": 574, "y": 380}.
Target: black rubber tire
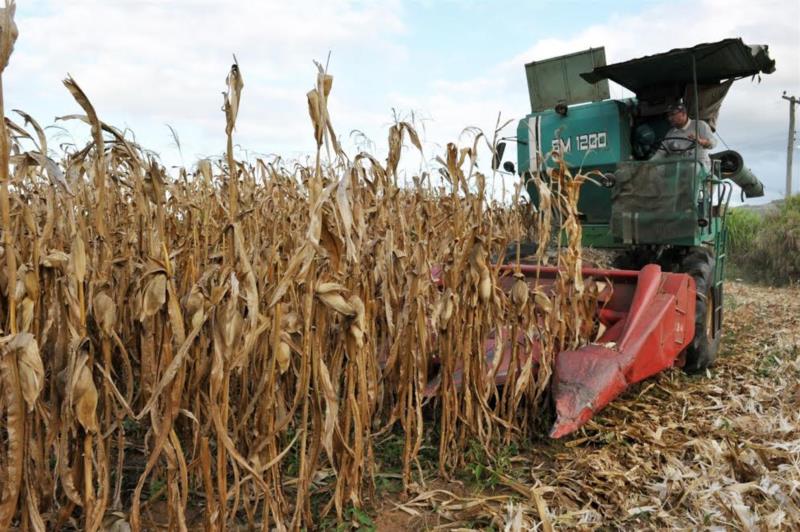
{"x": 702, "y": 352}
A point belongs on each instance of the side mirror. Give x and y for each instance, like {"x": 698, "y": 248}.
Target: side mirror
{"x": 499, "y": 150}
{"x": 509, "y": 167}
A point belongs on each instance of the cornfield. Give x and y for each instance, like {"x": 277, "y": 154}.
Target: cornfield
{"x": 225, "y": 346}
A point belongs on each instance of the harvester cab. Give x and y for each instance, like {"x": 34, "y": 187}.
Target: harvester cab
{"x": 643, "y": 201}
{"x": 663, "y": 216}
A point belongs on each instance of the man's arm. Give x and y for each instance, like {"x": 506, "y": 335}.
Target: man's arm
{"x": 706, "y": 139}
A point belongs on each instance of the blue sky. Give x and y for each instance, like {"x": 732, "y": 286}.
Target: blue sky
{"x": 452, "y": 63}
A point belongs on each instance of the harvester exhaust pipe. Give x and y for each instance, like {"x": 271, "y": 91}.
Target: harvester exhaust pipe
{"x": 733, "y": 168}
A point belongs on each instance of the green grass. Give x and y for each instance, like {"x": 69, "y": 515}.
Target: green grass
{"x": 743, "y": 226}
{"x": 766, "y": 248}
{"x": 485, "y": 472}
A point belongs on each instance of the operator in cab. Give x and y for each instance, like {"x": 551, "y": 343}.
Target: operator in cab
{"x": 680, "y": 140}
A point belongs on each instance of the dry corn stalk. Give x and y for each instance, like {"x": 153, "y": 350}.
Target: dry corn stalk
{"x": 159, "y": 328}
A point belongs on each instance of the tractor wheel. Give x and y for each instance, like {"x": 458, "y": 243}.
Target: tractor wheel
{"x": 701, "y": 353}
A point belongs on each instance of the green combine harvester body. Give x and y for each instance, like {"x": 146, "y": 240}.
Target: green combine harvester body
{"x": 672, "y": 202}
{"x": 662, "y": 218}
{"x": 667, "y": 212}
{"x": 595, "y": 138}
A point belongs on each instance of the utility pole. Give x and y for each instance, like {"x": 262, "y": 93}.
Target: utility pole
{"x": 793, "y": 100}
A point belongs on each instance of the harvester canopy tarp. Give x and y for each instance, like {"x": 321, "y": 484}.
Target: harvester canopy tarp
{"x": 728, "y": 59}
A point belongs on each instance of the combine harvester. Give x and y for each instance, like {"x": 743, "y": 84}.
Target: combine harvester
{"x": 665, "y": 218}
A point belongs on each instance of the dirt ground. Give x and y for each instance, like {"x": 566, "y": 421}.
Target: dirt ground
{"x": 715, "y": 451}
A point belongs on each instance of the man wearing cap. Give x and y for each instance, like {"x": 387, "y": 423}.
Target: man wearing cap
{"x": 680, "y": 139}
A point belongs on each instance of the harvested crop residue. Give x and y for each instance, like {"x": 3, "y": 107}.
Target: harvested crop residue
{"x": 677, "y": 451}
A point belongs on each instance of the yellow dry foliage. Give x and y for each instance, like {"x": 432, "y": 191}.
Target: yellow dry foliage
{"x": 232, "y": 341}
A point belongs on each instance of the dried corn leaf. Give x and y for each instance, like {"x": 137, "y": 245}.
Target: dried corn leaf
{"x": 84, "y": 395}
{"x": 31, "y": 369}
{"x": 154, "y": 297}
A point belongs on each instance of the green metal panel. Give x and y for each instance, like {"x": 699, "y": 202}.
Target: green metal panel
{"x": 598, "y": 236}
{"x": 663, "y": 205}
{"x": 594, "y": 136}
{"x": 660, "y": 205}
{"x": 558, "y": 79}
{"x": 597, "y": 137}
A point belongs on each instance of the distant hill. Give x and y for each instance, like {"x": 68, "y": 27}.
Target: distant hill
{"x": 764, "y": 208}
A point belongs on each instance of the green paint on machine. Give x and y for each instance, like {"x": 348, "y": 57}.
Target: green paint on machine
{"x": 669, "y": 210}
{"x": 633, "y": 201}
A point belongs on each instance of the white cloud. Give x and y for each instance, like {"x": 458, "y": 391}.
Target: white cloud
{"x": 753, "y": 119}
{"x": 147, "y": 63}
